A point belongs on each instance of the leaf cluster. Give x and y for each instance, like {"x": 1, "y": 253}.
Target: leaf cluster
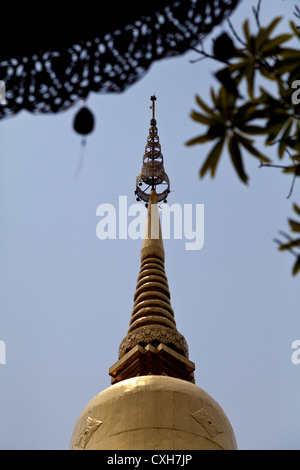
{"x": 293, "y": 244}
{"x": 234, "y": 121}
{"x": 262, "y": 67}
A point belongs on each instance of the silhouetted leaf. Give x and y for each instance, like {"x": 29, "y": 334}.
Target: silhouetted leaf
{"x": 223, "y": 47}
{"x": 217, "y": 130}
{"x": 290, "y": 244}
{"x": 274, "y": 126}
{"x": 296, "y": 208}
{"x": 253, "y": 130}
{"x": 271, "y": 47}
{"x": 224, "y": 77}
{"x": 283, "y": 138}
{"x": 201, "y": 118}
{"x": 213, "y": 158}
{"x": 246, "y": 29}
{"x": 295, "y": 29}
{"x": 293, "y": 169}
{"x": 265, "y": 32}
{"x": 296, "y": 267}
{"x": 251, "y": 149}
{"x": 203, "y": 105}
{"x": 236, "y": 158}
{"x": 200, "y": 139}
{"x": 294, "y": 144}
{"x": 295, "y": 226}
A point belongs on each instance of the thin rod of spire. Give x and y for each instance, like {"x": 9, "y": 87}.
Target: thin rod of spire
{"x": 153, "y": 99}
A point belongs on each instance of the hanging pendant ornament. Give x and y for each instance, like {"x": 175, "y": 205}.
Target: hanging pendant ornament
{"x": 83, "y": 124}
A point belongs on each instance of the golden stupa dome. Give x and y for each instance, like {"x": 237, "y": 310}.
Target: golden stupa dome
{"x": 155, "y": 413}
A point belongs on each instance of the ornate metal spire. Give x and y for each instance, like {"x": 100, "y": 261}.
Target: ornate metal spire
{"x": 153, "y": 344}
{"x": 153, "y": 172}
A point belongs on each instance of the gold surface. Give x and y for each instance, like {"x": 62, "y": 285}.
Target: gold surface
{"x": 153, "y": 413}
{"x": 154, "y": 334}
{"x": 160, "y": 360}
{"x": 152, "y": 241}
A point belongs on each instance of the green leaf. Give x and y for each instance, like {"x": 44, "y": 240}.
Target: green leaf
{"x": 248, "y": 146}
{"x": 296, "y": 267}
{"x": 269, "y": 74}
{"x": 246, "y": 29}
{"x": 201, "y": 118}
{"x": 269, "y": 29}
{"x": 286, "y": 65}
{"x": 203, "y": 105}
{"x": 290, "y": 244}
{"x": 290, "y": 53}
{"x": 240, "y": 67}
{"x": 295, "y": 226}
{"x": 296, "y": 208}
{"x": 274, "y": 126}
{"x": 212, "y": 159}
{"x": 292, "y": 169}
{"x": 216, "y": 130}
{"x": 236, "y": 158}
{"x": 283, "y": 142}
{"x": 214, "y": 97}
{"x": 295, "y": 29}
{"x": 294, "y": 144}
{"x": 200, "y": 139}
{"x": 295, "y": 73}
{"x": 252, "y": 45}
{"x": 253, "y": 130}
{"x": 271, "y": 46}
{"x": 250, "y": 81}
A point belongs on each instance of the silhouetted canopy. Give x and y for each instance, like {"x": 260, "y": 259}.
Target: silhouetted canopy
{"x": 50, "y": 59}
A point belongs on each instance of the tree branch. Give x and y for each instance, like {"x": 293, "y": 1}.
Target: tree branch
{"x": 280, "y": 243}
{"x": 237, "y": 37}
{"x": 256, "y": 12}
{"x": 282, "y": 167}
{"x": 204, "y": 55}
{"x": 272, "y": 166}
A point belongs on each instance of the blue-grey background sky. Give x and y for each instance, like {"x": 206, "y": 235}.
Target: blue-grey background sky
{"x": 66, "y": 296}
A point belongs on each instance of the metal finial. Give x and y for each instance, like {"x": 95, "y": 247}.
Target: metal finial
{"x": 153, "y": 99}
{"x": 153, "y": 173}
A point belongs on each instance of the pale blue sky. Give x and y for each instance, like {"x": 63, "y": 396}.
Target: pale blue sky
{"x": 66, "y": 296}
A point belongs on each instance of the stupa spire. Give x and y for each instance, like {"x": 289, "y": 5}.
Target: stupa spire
{"x": 153, "y": 344}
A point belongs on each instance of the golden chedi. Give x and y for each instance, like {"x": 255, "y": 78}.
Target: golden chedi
{"x": 153, "y": 402}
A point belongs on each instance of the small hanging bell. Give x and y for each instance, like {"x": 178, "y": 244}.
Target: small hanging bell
{"x": 84, "y": 121}
{"x": 83, "y": 124}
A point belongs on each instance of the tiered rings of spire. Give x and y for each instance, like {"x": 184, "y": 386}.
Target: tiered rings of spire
{"x": 153, "y": 172}
{"x": 152, "y": 319}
